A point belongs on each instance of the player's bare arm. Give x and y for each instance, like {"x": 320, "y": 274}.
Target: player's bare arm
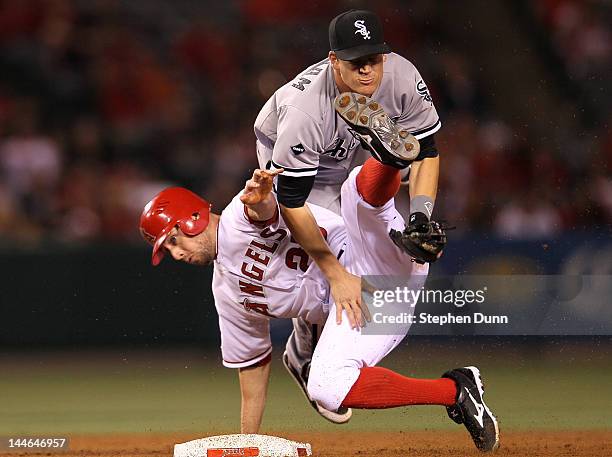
{"x": 254, "y": 391}
{"x": 424, "y": 177}
{"x": 345, "y": 287}
{"x": 258, "y": 197}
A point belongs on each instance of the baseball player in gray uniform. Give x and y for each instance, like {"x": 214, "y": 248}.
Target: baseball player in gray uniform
{"x": 362, "y": 99}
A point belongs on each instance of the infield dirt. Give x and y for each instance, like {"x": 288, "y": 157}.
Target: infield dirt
{"x": 402, "y": 444}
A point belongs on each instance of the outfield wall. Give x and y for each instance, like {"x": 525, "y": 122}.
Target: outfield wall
{"x": 110, "y": 295}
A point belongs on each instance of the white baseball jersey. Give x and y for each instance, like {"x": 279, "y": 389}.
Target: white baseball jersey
{"x": 300, "y": 131}
{"x": 262, "y": 273}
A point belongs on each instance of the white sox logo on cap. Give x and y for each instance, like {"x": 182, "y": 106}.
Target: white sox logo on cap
{"x": 355, "y": 34}
{"x": 361, "y": 29}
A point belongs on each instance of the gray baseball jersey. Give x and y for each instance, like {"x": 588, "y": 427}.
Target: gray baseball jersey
{"x": 298, "y": 129}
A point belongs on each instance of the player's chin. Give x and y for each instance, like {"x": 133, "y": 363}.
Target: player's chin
{"x": 200, "y": 261}
{"x": 366, "y": 88}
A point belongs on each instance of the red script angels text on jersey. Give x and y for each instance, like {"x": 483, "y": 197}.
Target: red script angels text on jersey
{"x": 259, "y": 254}
{"x": 257, "y": 258}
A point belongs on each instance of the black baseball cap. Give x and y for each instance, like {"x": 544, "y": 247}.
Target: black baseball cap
{"x": 357, "y": 33}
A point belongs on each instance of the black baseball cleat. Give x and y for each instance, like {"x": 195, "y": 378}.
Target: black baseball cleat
{"x": 340, "y": 416}
{"x": 471, "y": 410}
{"x": 387, "y": 143}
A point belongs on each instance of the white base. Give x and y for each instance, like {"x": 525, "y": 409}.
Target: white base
{"x": 242, "y": 446}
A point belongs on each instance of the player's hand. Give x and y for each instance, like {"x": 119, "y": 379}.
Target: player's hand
{"x": 259, "y": 187}
{"x": 346, "y": 291}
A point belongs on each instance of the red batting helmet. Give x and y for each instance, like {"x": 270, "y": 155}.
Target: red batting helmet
{"x": 175, "y": 206}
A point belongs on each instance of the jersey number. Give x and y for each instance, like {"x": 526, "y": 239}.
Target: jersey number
{"x": 301, "y": 82}
{"x": 297, "y": 257}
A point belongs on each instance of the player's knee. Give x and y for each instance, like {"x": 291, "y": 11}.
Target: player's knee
{"x": 318, "y": 383}
{"x": 321, "y": 390}
{"x": 328, "y": 385}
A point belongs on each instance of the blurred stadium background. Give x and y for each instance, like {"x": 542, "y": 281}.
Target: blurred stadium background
{"x": 103, "y": 103}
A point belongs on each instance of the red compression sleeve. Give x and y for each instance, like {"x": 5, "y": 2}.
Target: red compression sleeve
{"x": 377, "y": 183}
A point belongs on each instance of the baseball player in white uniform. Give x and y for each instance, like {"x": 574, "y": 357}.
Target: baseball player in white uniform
{"x": 316, "y": 130}
{"x": 261, "y": 273}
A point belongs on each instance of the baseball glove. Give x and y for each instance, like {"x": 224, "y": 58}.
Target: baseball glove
{"x": 423, "y": 240}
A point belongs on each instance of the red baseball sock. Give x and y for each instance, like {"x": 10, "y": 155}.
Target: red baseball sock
{"x": 378, "y": 388}
{"x": 377, "y": 183}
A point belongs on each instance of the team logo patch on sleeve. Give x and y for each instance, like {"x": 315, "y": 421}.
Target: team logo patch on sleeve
{"x": 423, "y": 91}
{"x": 297, "y": 149}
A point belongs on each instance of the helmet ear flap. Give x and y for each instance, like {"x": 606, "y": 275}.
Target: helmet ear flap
{"x": 194, "y": 225}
